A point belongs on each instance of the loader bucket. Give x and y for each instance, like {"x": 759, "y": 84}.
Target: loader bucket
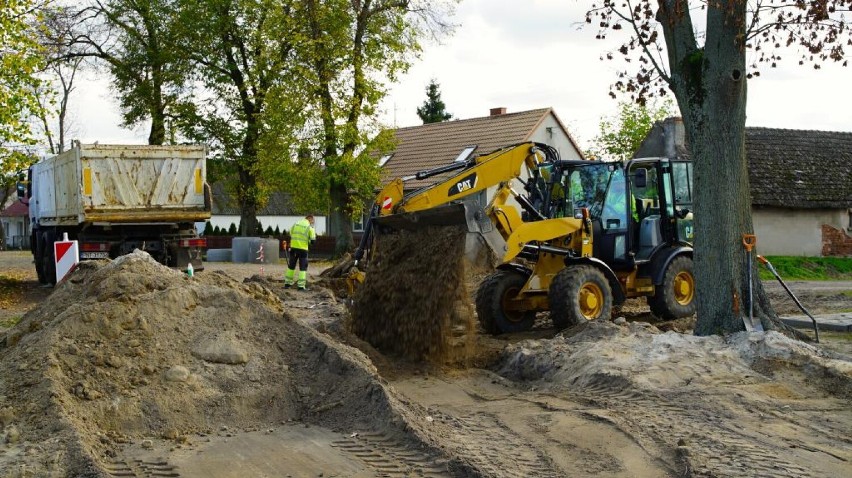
{"x": 481, "y": 232}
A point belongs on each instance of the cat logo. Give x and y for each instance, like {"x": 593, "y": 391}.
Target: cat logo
{"x": 464, "y": 184}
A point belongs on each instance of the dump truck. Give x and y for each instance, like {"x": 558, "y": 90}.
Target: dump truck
{"x": 575, "y": 238}
{"x": 114, "y": 199}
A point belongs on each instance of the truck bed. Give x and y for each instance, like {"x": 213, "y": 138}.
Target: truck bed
{"x": 122, "y": 184}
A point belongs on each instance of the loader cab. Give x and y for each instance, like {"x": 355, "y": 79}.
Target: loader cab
{"x": 662, "y": 191}
{"x": 636, "y": 208}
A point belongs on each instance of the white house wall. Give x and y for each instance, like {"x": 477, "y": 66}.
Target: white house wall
{"x": 793, "y": 232}
{"x": 555, "y": 137}
{"x": 284, "y": 223}
{"x": 15, "y": 229}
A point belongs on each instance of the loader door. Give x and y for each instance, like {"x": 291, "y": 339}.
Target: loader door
{"x": 612, "y": 243}
{"x": 682, "y": 209}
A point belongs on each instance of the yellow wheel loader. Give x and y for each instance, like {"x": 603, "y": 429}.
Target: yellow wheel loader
{"x": 573, "y": 237}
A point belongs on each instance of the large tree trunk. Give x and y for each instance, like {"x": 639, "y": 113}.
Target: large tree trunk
{"x": 248, "y": 202}
{"x": 710, "y": 86}
{"x": 340, "y": 222}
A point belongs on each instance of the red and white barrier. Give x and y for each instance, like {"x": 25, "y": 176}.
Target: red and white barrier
{"x": 67, "y": 254}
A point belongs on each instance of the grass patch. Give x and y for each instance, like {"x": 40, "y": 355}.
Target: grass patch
{"x": 809, "y": 268}
{"x": 10, "y": 322}
{"x": 10, "y": 288}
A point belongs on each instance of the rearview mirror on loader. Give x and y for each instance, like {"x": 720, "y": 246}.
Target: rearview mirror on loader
{"x": 641, "y": 178}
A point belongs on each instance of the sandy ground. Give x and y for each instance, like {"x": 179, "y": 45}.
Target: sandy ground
{"x": 134, "y": 370}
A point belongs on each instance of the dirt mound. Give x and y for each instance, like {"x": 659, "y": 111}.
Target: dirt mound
{"x": 715, "y": 400}
{"x": 130, "y": 349}
{"x": 649, "y": 359}
{"x": 414, "y": 293}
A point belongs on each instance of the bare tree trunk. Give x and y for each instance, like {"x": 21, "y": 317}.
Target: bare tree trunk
{"x": 710, "y": 86}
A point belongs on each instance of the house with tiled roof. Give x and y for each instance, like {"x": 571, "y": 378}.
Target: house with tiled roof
{"x": 429, "y": 146}
{"x": 800, "y": 182}
{"x": 432, "y": 145}
{"x": 15, "y": 218}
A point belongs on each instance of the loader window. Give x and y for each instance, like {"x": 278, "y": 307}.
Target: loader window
{"x": 614, "y": 215}
{"x": 587, "y": 187}
{"x": 682, "y": 173}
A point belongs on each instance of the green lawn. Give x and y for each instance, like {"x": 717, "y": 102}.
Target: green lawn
{"x": 809, "y": 268}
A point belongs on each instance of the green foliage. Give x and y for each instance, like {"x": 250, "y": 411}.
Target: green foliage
{"x": 808, "y": 268}
{"x": 277, "y": 231}
{"x": 20, "y": 61}
{"x": 353, "y": 49}
{"x": 137, "y": 42}
{"x": 268, "y": 232}
{"x": 217, "y": 231}
{"x": 232, "y": 231}
{"x": 433, "y": 109}
{"x": 622, "y": 135}
{"x": 208, "y": 228}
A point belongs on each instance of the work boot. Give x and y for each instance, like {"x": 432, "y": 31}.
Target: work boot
{"x": 303, "y": 289}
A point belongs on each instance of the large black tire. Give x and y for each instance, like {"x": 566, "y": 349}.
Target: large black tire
{"x": 48, "y": 262}
{"x": 578, "y": 294}
{"x": 675, "y": 297}
{"x": 491, "y": 300}
{"x": 38, "y": 252}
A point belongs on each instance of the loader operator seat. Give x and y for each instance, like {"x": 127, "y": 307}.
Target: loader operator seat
{"x": 650, "y": 236}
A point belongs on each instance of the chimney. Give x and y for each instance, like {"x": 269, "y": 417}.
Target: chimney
{"x": 498, "y": 111}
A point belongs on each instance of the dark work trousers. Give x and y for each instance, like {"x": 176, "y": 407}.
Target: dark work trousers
{"x": 301, "y": 255}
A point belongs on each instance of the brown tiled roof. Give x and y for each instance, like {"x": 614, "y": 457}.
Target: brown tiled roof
{"x": 437, "y": 144}
{"x": 16, "y": 209}
{"x": 799, "y": 168}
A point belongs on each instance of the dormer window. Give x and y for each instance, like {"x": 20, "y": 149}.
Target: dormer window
{"x": 466, "y": 152}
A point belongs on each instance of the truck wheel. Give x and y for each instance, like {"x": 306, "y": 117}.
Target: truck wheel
{"x": 48, "y": 263}
{"x": 578, "y": 294}
{"x": 492, "y": 306}
{"x": 38, "y": 259}
{"x": 675, "y": 297}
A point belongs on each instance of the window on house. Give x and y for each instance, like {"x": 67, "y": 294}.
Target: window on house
{"x": 358, "y": 223}
{"x": 384, "y": 159}
{"x": 466, "y": 152}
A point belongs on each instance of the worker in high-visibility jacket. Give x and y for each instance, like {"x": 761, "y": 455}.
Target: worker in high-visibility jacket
{"x": 302, "y": 234}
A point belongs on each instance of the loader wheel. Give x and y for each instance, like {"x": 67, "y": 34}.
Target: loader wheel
{"x": 493, "y": 307}
{"x": 578, "y": 294}
{"x": 675, "y": 297}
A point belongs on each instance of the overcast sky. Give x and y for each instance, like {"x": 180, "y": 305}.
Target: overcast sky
{"x": 527, "y": 54}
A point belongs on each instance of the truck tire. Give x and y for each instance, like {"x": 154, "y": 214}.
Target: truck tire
{"x": 675, "y": 297}
{"x": 491, "y": 297}
{"x": 578, "y": 294}
{"x": 38, "y": 253}
{"x": 48, "y": 262}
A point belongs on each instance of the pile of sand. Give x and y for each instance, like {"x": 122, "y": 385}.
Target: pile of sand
{"x": 415, "y": 293}
{"x": 641, "y": 355}
{"x": 749, "y": 404}
{"x": 130, "y": 349}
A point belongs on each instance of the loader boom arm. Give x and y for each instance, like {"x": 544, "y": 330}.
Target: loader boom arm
{"x": 477, "y": 175}
{"x": 473, "y": 176}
